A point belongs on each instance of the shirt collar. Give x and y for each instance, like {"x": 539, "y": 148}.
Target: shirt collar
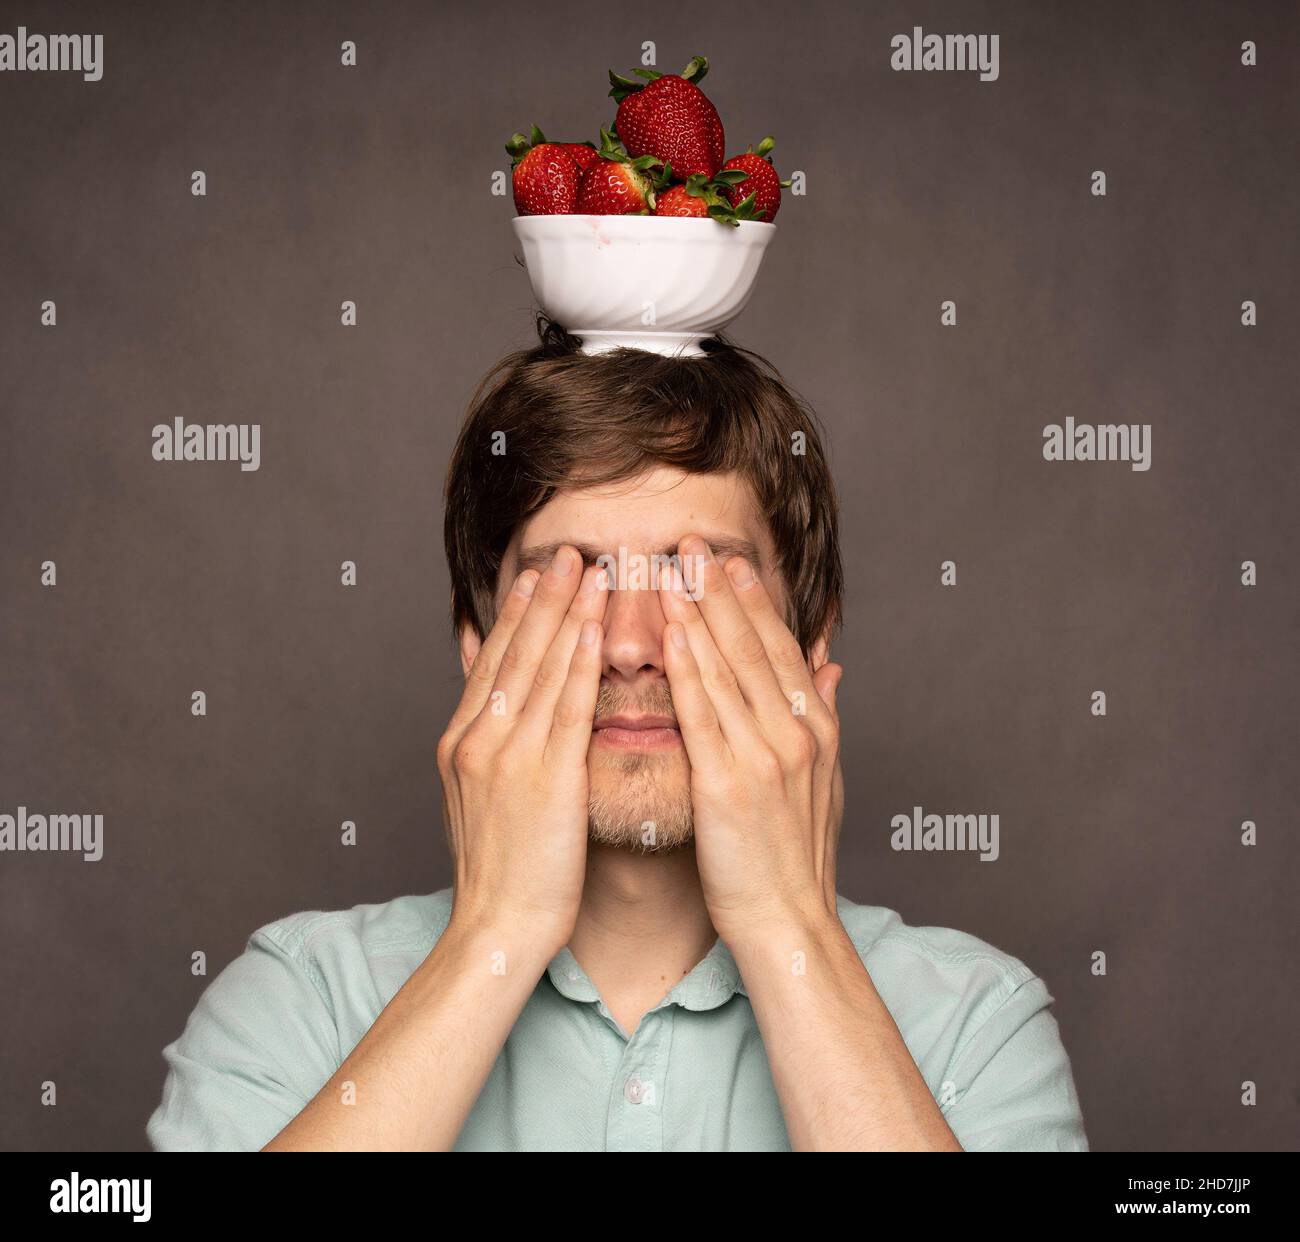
{"x": 713, "y": 981}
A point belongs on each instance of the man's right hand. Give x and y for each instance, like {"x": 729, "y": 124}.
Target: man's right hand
{"x": 514, "y": 775}
{"x": 514, "y": 757}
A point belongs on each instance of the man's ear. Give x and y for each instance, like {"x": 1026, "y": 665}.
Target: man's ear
{"x": 470, "y": 642}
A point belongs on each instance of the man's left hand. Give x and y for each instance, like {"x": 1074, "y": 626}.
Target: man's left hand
{"x": 762, "y": 734}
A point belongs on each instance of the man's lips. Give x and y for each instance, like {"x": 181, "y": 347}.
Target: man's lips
{"x": 635, "y": 722}
{"x": 637, "y": 732}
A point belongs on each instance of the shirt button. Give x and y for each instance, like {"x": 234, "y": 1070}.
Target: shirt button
{"x": 634, "y": 1090}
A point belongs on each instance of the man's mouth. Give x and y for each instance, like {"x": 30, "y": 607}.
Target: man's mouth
{"x": 637, "y": 732}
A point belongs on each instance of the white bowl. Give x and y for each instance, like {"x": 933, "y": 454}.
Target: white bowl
{"x": 660, "y": 283}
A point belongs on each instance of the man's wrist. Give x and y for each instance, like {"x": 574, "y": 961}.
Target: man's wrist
{"x": 504, "y": 943}
{"x": 786, "y": 931}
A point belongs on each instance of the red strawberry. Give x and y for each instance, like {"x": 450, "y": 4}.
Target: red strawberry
{"x": 545, "y": 176}
{"x": 583, "y": 152}
{"x": 761, "y": 182}
{"x": 616, "y": 184}
{"x": 613, "y": 188}
{"x": 701, "y": 198}
{"x": 679, "y": 201}
{"x": 670, "y": 117}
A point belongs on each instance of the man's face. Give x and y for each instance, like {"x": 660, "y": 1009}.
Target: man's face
{"x": 639, "y": 775}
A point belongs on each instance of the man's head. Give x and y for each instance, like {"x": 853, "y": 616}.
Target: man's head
{"x": 621, "y": 455}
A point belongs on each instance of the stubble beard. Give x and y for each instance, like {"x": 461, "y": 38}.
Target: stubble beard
{"x": 639, "y": 801}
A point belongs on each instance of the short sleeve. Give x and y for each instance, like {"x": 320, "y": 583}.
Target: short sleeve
{"x": 259, "y": 1045}
{"x": 1014, "y": 1090}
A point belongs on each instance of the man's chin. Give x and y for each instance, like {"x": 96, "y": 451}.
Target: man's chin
{"x": 640, "y": 802}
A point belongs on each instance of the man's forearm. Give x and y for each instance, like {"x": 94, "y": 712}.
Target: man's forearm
{"x": 411, "y": 1081}
{"x": 844, "y": 1076}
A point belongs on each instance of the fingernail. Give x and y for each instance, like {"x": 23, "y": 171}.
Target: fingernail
{"x": 741, "y": 574}
{"x": 593, "y": 580}
{"x": 562, "y": 563}
{"x": 526, "y": 583}
{"x": 589, "y": 631}
{"x": 694, "y": 546}
{"x": 679, "y": 635}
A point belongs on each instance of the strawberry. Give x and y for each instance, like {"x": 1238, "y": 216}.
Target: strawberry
{"x": 616, "y": 184}
{"x": 545, "y": 176}
{"x": 670, "y": 117}
{"x": 760, "y": 183}
{"x": 613, "y": 188}
{"x": 584, "y": 153}
{"x": 679, "y": 201}
{"x": 703, "y": 199}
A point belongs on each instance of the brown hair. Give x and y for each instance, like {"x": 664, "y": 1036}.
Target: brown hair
{"x": 577, "y": 420}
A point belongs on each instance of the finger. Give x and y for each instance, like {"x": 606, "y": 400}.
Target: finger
{"x": 588, "y": 605}
{"x": 732, "y": 632}
{"x": 697, "y": 718}
{"x": 783, "y": 650}
{"x": 534, "y": 634}
{"x": 720, "y": 682}
{"x": 483, "y": 672}
{"x": 826, "y": 681}
{"x": 575, "y": 709}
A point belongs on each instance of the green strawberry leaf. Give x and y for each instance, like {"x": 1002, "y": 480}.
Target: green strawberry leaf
{"x": 695, "y": 69}
{"x": 662, "y": 178}
{"x": 519, "y": 144}
{"x": 620, "y": 87}
{"x": 610, "y": 147}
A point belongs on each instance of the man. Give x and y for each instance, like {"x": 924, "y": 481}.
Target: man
{"x": 644, "y": 948}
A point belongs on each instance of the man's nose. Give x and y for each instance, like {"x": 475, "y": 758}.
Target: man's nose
{"x": 634, "y": 628}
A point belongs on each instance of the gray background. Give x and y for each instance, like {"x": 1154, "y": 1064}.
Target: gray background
{"x": 1118, "y": 834}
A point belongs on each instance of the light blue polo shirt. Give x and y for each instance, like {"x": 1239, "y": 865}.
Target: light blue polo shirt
{"x": 273, "y": 1027}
